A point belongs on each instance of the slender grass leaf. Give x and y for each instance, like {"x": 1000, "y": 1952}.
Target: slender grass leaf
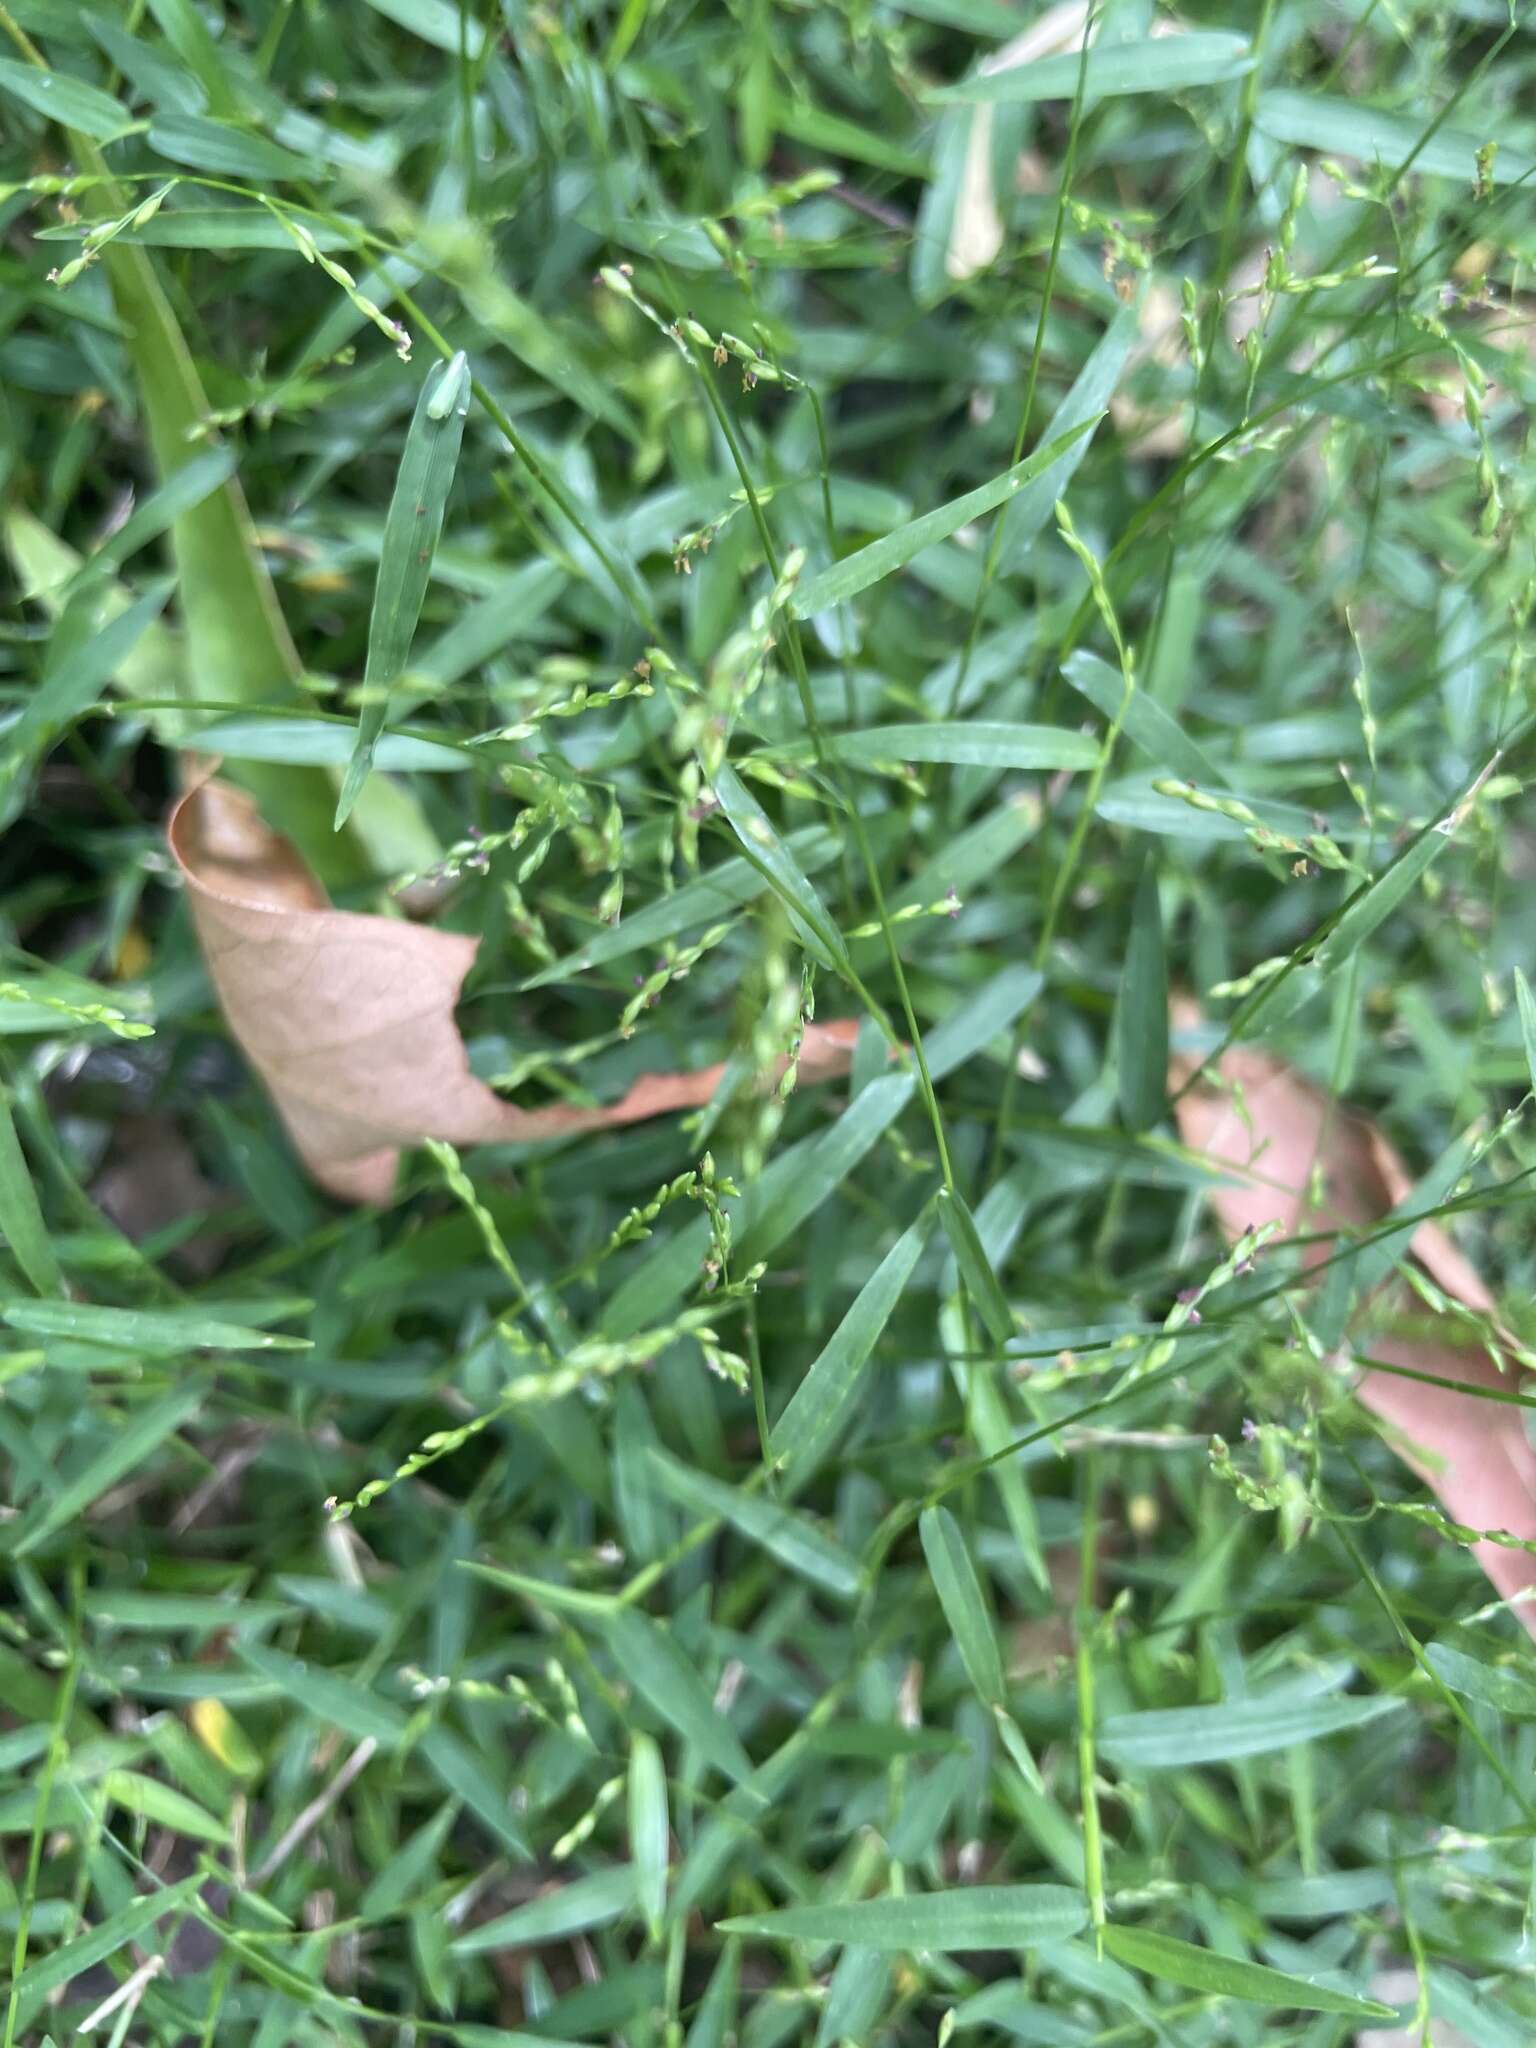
{"x": 994, "y": 1429}
{"x": 337, "y": 1701}
{"x": 977, "y": 17}
{"x": 976, "y": 855}
{"x": 412, "y": 528}
{"x": 97, "y": 1943}
{"x": 976, "y": 1273}
{"x": 650, "y": 1835}
{"x": 467, "y": 1777}
{"x": 820, "y": 1406}
{"x": 1359, "y": 1269}
{"x": 653, "y": 1664}
{"x": 1170, "y": 1738}
{"x": 1500, "y": 1686}
{"x": 69, "y": 101}
{"x": 879, "y": 1742}
{"x": 982, "y": 1916}
{"x": 1369, "y": 135}
{"x": 796, "y": 1542}
{"x": 1526, "y": 1003}
{"x": 817, "y": 129}
{"x": 1477, "y": 2009}
{"x": 982, "y": 1017}
{"x": 149, "y": 70}
{"x": 1146, "y": 722}
{"x": 1133, "y": 803}
{"x": 21, "y": 1218}
{"x": 547, "y": 1592}
{"x": 206, "y": 1612}
{"x": 203, "y": 144}
{"x": 800, "y": 1179}
{"x": 1322, "y": 1897}
{"x": 125, "y": 1451}
{"x": 191, "y": 38}
{"x": 1155, "y": 64}
{"x": 227, "y": 228}
{"x": 438, "y": 22}
{"x": 965, "y": 1608}
{"x": 167, "y": 1332}
{"x": 893, "y": 551}
{"x": 1200, "y": 1969}
{"x": 237, "y": 644}
{"x": 593, "y": 1901}
{"x": 164, "y": 1805}
{"x": 1372, "y": 904}
{"x": 769, "y": 852}
{"x": 1084, "y": 406}
{"x": 74, "y": 680}
{"x": 170, "y": 501}
{"x": 1375, "y": 903}
{"x": 972, "y": 744}
{"x": 411, "y": 1867}
{"x": 714, "y": 2024}
{"x": 709, "y": 897}
{"x": 1141, "y": 1014}
{"x": 321, "y": 742}
{"x": 855, "y": 1996}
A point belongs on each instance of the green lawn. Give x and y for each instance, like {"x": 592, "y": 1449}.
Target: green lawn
{"x": 758, "y": 514}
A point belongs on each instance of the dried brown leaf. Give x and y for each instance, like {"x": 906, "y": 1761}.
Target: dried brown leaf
{"x": 976, "y": 228}
{"x": 1292, "y": 1156}
{"x": 348, "y": 1018}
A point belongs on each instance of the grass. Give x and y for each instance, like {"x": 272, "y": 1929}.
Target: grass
{"x": 777, "y": 1584}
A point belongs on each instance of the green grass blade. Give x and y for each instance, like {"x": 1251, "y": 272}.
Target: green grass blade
{"x": 575, "y": 1908}
{"x": 965, "y": 1608}
{"x": 714, "y": 2024}
{"x": 412, "y": 528}
{"x": 69, "y": 101}
{"x": 708, "y": 898}
{"x": 792, "y": 1539}
{"x": 1370, "y": 135}
{"x": 203, "y": 144}
{"x": 1159, "y": 735}
{"x": 649, "y": 1829}
{"x": 820, "y": 1406}
{"x": 163, "y": 1805}
{"x": 130, "y": 1924}
{"x": 469, "y": 1779}
{"x": 167, "y": 1333}
{"x": 335, "y": 1701}
{"x": 1526, "y": 1003}
{"x": 976, "y": 1273}
{"x": 654, "y": 1665}
{"x": 71, "y": 685}
{"x": 137, "y": 1439}
{"x": 1504, "y": 1688}
{"x": 976, "y": 743}
{"x": 1141, "y": 1015}
{"x": 772, "y": 856}
{"x": 172, "y": 500}
{"x": 1155, "y": 64}
{"x": 893, "y": 551}
{"x": 1171, "y": 1738}
{"x": 983, "y": 1916}
{"x": 1201, "y": 1969}
{"x": 21, "y": 1216}
{"x": 438, "y": 22}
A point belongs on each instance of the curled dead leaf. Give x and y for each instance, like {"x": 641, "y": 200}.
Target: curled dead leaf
{"x": 1291, "y": 1155}
{"x": 348, "y": 1018}
{"x": 976, "y": 227}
